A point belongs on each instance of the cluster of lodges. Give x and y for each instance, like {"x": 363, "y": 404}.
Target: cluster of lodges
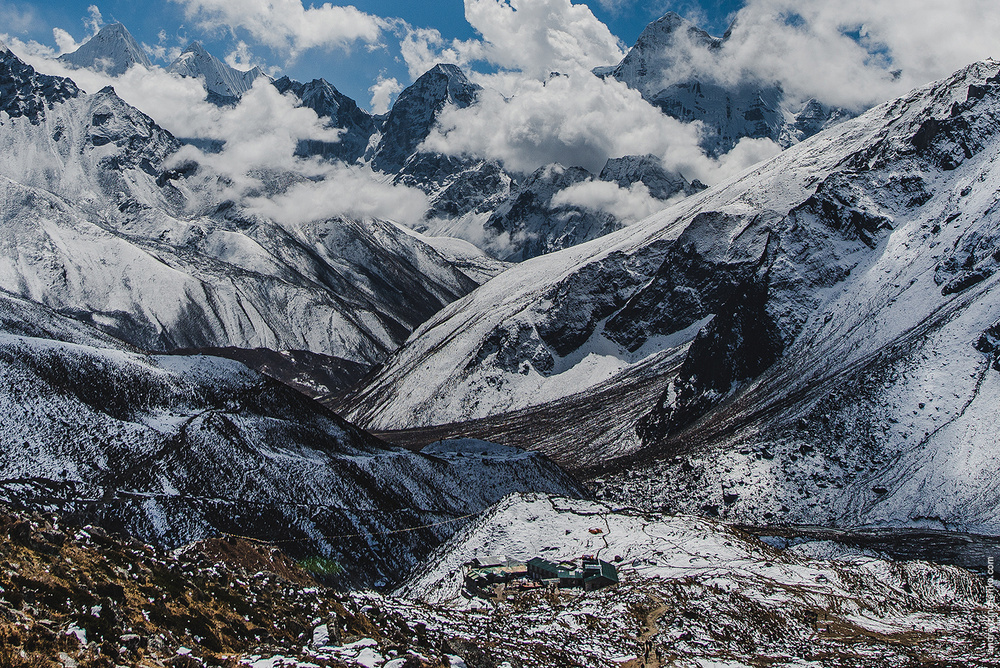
{"x": 483, "y": 574}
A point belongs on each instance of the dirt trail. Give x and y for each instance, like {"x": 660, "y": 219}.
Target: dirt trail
{"x": 649, "y": 656}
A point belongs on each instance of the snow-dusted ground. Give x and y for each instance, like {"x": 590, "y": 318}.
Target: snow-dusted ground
{"x": 693, "y": 592}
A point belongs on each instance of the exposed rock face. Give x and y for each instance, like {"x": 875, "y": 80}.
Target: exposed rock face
{"x": 26, "y": 94}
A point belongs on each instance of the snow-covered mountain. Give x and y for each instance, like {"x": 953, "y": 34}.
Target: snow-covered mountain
{"x": 805, "y": 312}
{"x": 99, "y": 227}
{"x": 659, "y": 66}
{"x": 416, "y": 111}
{"x": 177, "y": 448}
{"x": 112, "y": 50}
{"x": 225, "y": 84}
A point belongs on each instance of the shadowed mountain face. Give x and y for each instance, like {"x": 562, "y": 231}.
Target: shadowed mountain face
{"x": 341, "y": 111}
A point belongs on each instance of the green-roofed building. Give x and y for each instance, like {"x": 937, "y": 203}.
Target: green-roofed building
{"x": 595, "y": 573}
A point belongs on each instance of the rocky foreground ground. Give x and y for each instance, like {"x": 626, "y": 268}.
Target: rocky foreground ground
{"x": 693, "y": 593}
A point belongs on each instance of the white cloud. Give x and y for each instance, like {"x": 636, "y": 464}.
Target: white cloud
{"x": 852, "y": 53}
{"x": 64, "y": 41}
{"x": 383, "y": 93}
{"x": 628, "y": 205}
{"x": 535, "y": 37}
{"x": 541, "y": 36}
{"x": 575, "y": 120}
{"x": 345, "y": 190}
{"x": 28, "y": 51}
{"x": 94, "y": 20}
{"x": 423, "y": 48}
{"x": 286, "y": 25}
{"x": 241, "y": 58}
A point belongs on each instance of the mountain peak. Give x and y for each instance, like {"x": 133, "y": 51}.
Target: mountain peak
{"x": 222, "y": 80}
{"x": 339, "y": 111}
{"x": 416, "y": 111}
{"x": 112, "y": 50}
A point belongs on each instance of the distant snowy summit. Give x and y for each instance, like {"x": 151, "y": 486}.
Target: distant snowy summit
{"x": 659, "y": 66}
{"x": 220, "y": 79}
{"x": 113, "y": 50}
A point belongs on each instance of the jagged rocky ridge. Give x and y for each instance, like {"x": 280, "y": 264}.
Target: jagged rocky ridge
{"x": 805, "y": 313}
{"x": 511, "y": 215}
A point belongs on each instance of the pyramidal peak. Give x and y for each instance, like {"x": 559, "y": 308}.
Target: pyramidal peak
{"x": 112, "y": 50}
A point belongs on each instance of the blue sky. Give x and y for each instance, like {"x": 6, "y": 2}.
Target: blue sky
{"x": 353, "y": 70}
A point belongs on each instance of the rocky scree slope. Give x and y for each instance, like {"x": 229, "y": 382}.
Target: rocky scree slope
{"x": 105, "y": 226}
{"x": 83, "y": 597}
{"x": 809, "y": 309}
{"x": 175, "y": 448}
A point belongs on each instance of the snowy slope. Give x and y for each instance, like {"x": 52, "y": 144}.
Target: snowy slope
{"x": 220, "y": 79}
{"x": 178, "y": 448}
{"x": 112, "y": 50}
{"x": 864, "y": 255}
{"x": 105, "y": 231}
